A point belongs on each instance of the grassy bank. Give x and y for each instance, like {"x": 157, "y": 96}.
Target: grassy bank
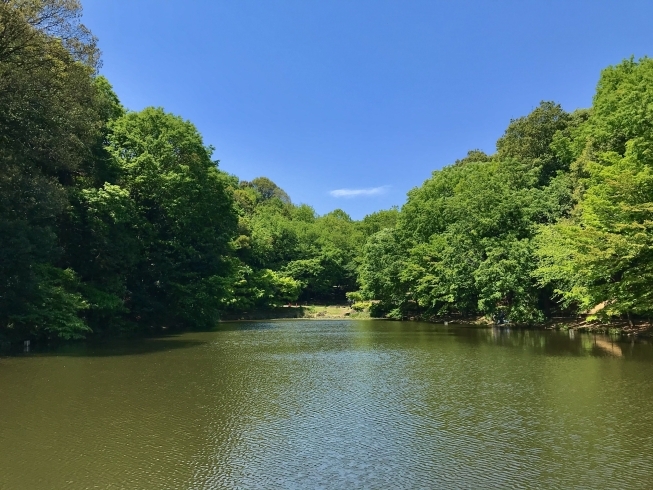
{"x": 306, "y": 311}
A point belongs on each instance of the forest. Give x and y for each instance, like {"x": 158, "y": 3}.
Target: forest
{"x": 115, "y": 222}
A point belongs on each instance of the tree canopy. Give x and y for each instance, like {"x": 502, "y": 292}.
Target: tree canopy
{"x": 557, "y": 220}
{"x": 117, "y": 222}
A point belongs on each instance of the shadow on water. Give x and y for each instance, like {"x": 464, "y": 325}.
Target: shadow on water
{"x": 538, "y": 341}
{"x": 558, "y": 343}
{"x": 131, "y": 347}
{"x": 109, "y": 349}
{"x": 542, "y": 342}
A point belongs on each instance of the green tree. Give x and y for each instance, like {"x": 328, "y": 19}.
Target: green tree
{"x": 186, "y": 219}
{"x": 463, "y": 240}
{"x": 267, "y": 189}
{"x": 375, "y": 222}
{"x": 380, "y": 271}
{"x": 467, "y": 232}
{"x": 49, "y": 122}
{"x": 601, "y": 254}
{"x": 474, "y": 156}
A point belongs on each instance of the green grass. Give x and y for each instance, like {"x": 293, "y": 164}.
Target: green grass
{"x": 334, "y": 311}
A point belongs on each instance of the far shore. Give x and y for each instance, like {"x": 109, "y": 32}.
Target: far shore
{"x": 347, "y": 312}
{"x": 309, "y": 312}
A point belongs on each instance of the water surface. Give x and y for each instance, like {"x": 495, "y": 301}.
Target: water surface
{"x": 331, "y": 404}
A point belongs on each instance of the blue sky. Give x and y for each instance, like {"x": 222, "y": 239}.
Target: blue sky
{"x": 350, "y": 104}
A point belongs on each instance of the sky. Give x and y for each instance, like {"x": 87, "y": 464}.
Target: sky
{"x": 350, "y": 104}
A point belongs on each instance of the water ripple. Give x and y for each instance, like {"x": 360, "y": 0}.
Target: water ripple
{"x": 333, "y": 405}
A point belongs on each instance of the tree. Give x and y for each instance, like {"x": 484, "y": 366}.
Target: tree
{"x": 49, "y": 121}
{"x": 186, "y": 219}
{"x": 463, "y": 240}
{"x": 28, "y": 24}
{"x": 474, "y": 156}
{"x": 382, "y": 262}
{"x": 529, "y": 139}
{"x": 375, "y": 222}
{"x": 268, "y": 189}
{"x": 466, "y": 232}
{"x": 601, "y": 254}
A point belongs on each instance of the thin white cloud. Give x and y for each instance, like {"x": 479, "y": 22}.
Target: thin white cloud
{"x": 373, "y": 191}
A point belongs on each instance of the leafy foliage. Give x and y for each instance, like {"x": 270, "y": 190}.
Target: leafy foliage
{"x": 602, "y": 255}
{"x": 115, "y": 222}
{"x": 49, "y": 120}
{"x": 463, "y": 243}
{"x": 559, "y": 217}
{"x": 318, "y": 253}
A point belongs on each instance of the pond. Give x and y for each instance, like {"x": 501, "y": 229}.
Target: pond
{"x": 331, "y": 404}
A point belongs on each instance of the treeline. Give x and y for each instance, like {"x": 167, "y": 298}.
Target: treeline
{"x": 559, "y": 221}
{"x": 115, "y": 222}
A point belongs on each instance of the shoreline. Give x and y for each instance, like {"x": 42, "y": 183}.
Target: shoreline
{"x": 342, "y": 312}
{"x": 306, "y": 312}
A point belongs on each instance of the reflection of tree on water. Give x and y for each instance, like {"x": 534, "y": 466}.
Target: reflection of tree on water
{"x": 554, "y": 342}
{"x": 608, "y": 346}
{"x": 333, "y": 404}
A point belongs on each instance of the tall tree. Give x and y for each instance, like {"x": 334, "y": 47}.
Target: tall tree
{"x": 602, "y": 254}
{"x": 48, "y": 123}
{"x": 185, "y": 218}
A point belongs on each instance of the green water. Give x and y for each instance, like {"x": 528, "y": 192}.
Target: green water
{"x": 331, "y": 404}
